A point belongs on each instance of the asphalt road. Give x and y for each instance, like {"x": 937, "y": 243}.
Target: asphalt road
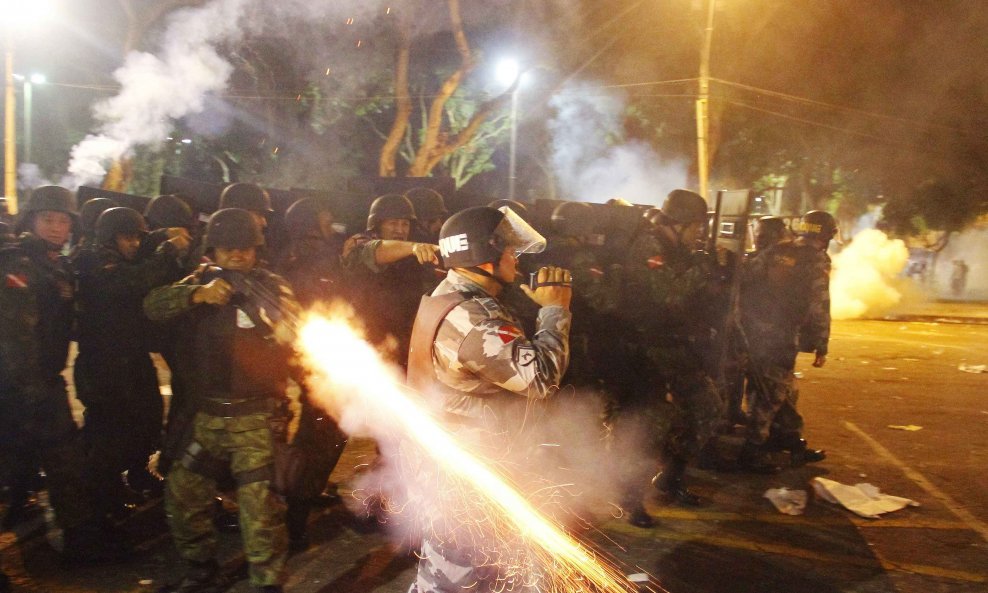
{"x": 880, "y": 374}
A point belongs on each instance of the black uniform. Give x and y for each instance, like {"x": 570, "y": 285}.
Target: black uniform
{"x": 114, "y": 375}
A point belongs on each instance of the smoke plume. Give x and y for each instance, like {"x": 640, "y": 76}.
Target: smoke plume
{"x": 864, "y": 281}
{"x": 158, "y": 89}
{"x": 591, "y": 161}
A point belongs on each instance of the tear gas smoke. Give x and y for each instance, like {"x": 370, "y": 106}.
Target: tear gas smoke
{"x": 590, "y": 167}
{"x": 864, "y": 281}
{"x": 158, "y": 89}
{"x": 446, "y": 488}
{"x": 188, "y": 68}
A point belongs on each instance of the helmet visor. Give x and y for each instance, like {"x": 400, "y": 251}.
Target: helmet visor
{"x": 518, "y": 235}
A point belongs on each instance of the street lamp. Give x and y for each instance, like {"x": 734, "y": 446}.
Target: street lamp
{"x": 508, "y": 71}
{"x": 17, "y": 14}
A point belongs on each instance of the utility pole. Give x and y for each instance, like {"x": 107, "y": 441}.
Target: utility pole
{"x": 703, "y": 105}
{"x": 9, "y": 132}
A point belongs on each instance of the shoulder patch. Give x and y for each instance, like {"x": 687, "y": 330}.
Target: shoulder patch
{"x": 509, "y": 333}
{"x": 16, "y": 281}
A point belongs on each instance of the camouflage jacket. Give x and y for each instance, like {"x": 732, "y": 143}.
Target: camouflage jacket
{"x": 491, "y": 369}
{"x": 785, "y": 296}
{"x": 36, "y": 299}
{"x": 671, "y": 294}
{"x": 228, "y": 352}
{"x": 385, "y": 296}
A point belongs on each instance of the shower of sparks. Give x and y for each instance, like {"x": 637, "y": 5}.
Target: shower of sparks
{"x": 348, "y": 365}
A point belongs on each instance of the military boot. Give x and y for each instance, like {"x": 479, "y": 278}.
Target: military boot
{"x": 671, "y": 483}
{"x": 754, "y": 459}
{"x": 202, "y": 577}
{"x": 800, "y": 454}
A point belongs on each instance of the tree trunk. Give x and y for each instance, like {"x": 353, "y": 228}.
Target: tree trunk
{"x": 403, "y": 104}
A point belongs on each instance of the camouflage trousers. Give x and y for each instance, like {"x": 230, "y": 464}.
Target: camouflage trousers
{"x": 242, "y": 445}
{"x": 697, "y": 407}
{"x": 772, "y": 397}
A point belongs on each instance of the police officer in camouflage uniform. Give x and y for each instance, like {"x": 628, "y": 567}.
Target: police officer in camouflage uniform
{"x": 671, "y": 297}
{"x": 114, "y": 376}
{"x": 388, "y": 272}
{"x": 483, "y": 371}
{"x": 236, "y": 362}
{"x": 785, "y": 308}
{"x": 36, "y": 424}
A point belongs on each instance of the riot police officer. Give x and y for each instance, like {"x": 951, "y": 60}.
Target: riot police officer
{"x": 311, "y": 264}
{"x": 470, "y": 351}
{"x": 235, "y": 360}
{"x": 785, "y": 307}
{"x": 430, "y": 213}
{"x": 389, "y": 272}
{"x": 671, "y": 297}
{"x": 250, "y": 197}
{"x": 36, "y": 424}
{"x": 114, "y": 376}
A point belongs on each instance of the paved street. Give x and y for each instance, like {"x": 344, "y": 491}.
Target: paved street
{"x": 881, "y": 373}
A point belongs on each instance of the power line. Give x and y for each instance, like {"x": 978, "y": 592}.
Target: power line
{"x": 883, "y": 139}
{"x": 808, "y": 101}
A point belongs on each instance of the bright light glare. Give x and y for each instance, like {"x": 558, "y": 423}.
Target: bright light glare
{"x": 38, "y": 79}
{"x": 507, "y": 71}
{"x": 18, "y": 13}
{"x": 351, "y": 366}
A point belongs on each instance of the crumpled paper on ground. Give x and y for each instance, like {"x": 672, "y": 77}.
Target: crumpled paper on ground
{"x": 973, "y": 368}
{"x": 864, "y": 500}
{"x": 786, "y": 501}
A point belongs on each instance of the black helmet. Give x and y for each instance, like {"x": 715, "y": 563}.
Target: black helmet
{"x": 90, "y": 211}
{"x": 770, "y": 230}
{"x": 480, "y": 235}
{"x": 168, "y": 211}
{"x": 428, "y": 203}
{"x": 51, "y": 197}
{"x": 246, "y": 196}
{"x": 233, "y": 228}
{"x": 119, "y": 221}
{"x": 817, "y": 224}
{"x": 47, "y": 198}
{"x": 389, "y": 206}
{"x": 573, "y": 219}
{"x": 685, "y": 207}
{"x": 302, "y": 218}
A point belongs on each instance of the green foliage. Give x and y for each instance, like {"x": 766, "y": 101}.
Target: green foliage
{"x": 934, "y": 205}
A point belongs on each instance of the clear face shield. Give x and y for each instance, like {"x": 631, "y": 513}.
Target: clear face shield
{"x": 518, "y": 235}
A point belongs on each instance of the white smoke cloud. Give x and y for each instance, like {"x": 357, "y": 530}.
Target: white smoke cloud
{"x": 864, "y": 281}
{"x": 159, "y": 88}
{"x": 590, "y": 168}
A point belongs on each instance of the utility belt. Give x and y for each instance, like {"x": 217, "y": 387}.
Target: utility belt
{"x": 228, "y": 409}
